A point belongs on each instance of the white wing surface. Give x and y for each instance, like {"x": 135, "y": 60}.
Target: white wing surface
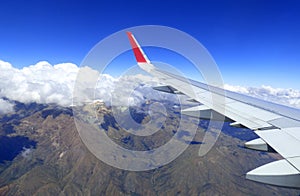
{"x": 277, "y": 126}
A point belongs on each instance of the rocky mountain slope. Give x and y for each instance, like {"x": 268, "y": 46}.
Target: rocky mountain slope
{"x": 41, "y": 153}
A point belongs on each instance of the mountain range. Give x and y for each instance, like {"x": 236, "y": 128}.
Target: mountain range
{"x": 41, "y": 153}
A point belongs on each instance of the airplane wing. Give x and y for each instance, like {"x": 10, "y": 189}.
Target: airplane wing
{"x": 277, "y": 126}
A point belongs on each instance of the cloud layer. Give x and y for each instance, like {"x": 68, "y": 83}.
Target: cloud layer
{"x": 6, "y": 106}
{"x": 41, "y": 83}
{"x": 46, "y": 83}
{"x": 289, "y": 97}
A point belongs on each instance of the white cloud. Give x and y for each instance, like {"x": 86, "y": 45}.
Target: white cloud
{"x": 45, "y": 83}
{"x": 288, "y": 97}
{"x": 42, "y": 82}
{"x": 129, "y": 90}
{"x": 6, "y": 106}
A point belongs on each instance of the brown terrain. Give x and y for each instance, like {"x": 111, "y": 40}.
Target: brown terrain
{"x": 56, "y": 162}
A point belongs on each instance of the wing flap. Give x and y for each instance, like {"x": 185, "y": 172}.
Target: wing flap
{"x": 280, "y": 141}
{"x": 280, "y": 173}
{"x": 200, "y": 111}
{"x": 167, "y": 89}
{"x": 257, "y": 144}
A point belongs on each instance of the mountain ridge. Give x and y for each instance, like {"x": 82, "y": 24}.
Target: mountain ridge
{"x": 60, "y": 163}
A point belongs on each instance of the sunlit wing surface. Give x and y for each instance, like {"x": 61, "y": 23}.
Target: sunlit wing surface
{"x": 277, "y": 126}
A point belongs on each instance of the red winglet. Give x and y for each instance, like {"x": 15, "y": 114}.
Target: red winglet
{"x": 138, "y": 53}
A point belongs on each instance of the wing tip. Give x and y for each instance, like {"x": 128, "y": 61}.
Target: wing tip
{"x": 137, "y": 50}
{"x": 128, "y": 33}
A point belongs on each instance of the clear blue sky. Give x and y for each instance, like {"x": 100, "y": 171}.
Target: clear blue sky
{"x": 254, "y": 42}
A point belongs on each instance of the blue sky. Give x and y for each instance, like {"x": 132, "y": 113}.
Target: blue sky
{"x": 254, "y": 42}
